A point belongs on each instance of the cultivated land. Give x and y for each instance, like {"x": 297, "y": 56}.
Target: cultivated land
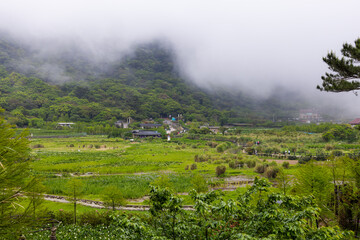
{"x": 99, "y": 161}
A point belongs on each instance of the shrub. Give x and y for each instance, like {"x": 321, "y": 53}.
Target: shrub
{"x": 38, "y": 146}
{"x": 305, "y": 159}
{"x": 261, "y": 168}
{"x": 249, "y": 144}
{"x": 233, "y": 164}
{"x": 199, "y": 183}
{"x": 71, "y": 145}
{"x": 66, "y": 217}
{"x": 201, "y": 158}
{"x": 95, "y": 218}
{"x": 97, "y": 146}
{"x": 223, "y": 146}
{"x": 220, "y": 148}
{"x": 271, "y": 172}
{"x": 329, "y": 147}
{"x": 272, "y": 163}
{"x": 250, "y": 163}
{"x": 250, "y": 150}
{"x": 241, "y": 163}
{"x": 212, "y": 144}
{"x": 286, "y": 165}
{"x": 220, "y": 170}
{"x": 292, "y": 157}
{"x": 337, "y": 153}
{"x": 193, "y": 166}
{"x": 187, "y": 167}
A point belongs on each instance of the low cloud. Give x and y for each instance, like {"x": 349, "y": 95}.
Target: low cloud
{"x": 254, "y": 46}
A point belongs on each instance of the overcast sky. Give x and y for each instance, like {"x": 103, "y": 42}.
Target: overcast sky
{"x": 253, "y": 45}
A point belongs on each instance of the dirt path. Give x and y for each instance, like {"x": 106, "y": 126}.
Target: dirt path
{"x": 90, "y": 174}
{"x": 99, "y": 204}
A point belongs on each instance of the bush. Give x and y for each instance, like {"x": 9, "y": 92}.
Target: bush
{"x": 329, "y": 147}
{"x": 286, "y": 165}
{"x": 305, "y": 159}
{"x": 38, "y": 146}
{"x": 250, "y": 150}
{"x": 201, "y": 158}
{"x": 261, "y": 168}
{"x": 220, "y": 148}
{"x": 71, "y": 145}
{"x": 193, "y": 166}
{"x": 65, "y": 217}
{"x": 236, "y": 164}
{"x": 321, "y": 156}
{"x": 271, "y": 172}
{"x": 187, "y": 167}
{"x": 95, "y": 218}
{"x": 233, "y": 164}
{"x": 337, "y": 153}
{"x": 220, "y": 170}
{"x": 250, "y": 163}
{"x": 212, "y": 144}
{"x": 292, "y": 157}
{"x": 97, "y": 146}
{"x": 223, "y": 146}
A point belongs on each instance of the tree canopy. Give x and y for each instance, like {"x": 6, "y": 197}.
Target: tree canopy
{"x": 345, "y": 75}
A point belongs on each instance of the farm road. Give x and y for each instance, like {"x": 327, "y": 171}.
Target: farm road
{"x": 99, "y": 204}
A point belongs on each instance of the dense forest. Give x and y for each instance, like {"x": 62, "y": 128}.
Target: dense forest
{"x": 68, "y": 86}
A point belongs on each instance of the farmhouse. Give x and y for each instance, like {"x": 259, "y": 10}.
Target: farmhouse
{"x": 150, "y": 125}
{"x": 144, "y": 134}
{"x": 355, "y": 122}
{"x": 214, "y": 129}
{"x": 123, "y": 124}
{"x": 65, "y": 124}
{"x": 309, "y": 116}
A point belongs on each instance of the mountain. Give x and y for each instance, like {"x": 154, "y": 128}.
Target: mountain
{"x": 68, "y": 85}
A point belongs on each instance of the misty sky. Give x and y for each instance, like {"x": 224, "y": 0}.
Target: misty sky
{"x": 253, "y": 45}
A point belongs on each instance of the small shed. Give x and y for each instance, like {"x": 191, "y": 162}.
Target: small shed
{"x": 69, "y": 124}
{"x": 144, "y": 134}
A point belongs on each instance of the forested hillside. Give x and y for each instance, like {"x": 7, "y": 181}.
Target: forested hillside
{"x": 67, "y": 86}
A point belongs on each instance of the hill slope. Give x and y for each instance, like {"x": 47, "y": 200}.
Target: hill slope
{"x": 142, "y": 85}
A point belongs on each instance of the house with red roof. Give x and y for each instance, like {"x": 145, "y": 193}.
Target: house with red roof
{"x": 355, "y": 122}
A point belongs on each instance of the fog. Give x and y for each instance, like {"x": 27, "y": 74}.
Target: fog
{"x": 255, "y": 46}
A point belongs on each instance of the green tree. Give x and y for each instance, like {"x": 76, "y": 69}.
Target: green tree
{"x": 199, "y": 183}
{"x": 74, "y": 188}
{"x": 163, "y": 181}
{"x": 14, "y": 172}
{"x": 314, "y": 179}
{"x": 284, "y": 181}
{"x": 35, "y": 194}
{"x": 113, "y": 197}
{"x": 345, "y": 74}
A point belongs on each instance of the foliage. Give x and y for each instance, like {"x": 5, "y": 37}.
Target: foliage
{"x": 314, "y": 179}
{"x": 14, "y": 173}
{"x": 340, "y": 132}
{"x": 199, "y": 183}
{"x": 163, "y": 181}
{"x": 220, "y": 170}
{"x": 74, "y": 188}
{"x": 271, "y": 172}
{"x": 112, "y": 197}
{"x": 346, "y": 70}
{"x": 286, "y": 165}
